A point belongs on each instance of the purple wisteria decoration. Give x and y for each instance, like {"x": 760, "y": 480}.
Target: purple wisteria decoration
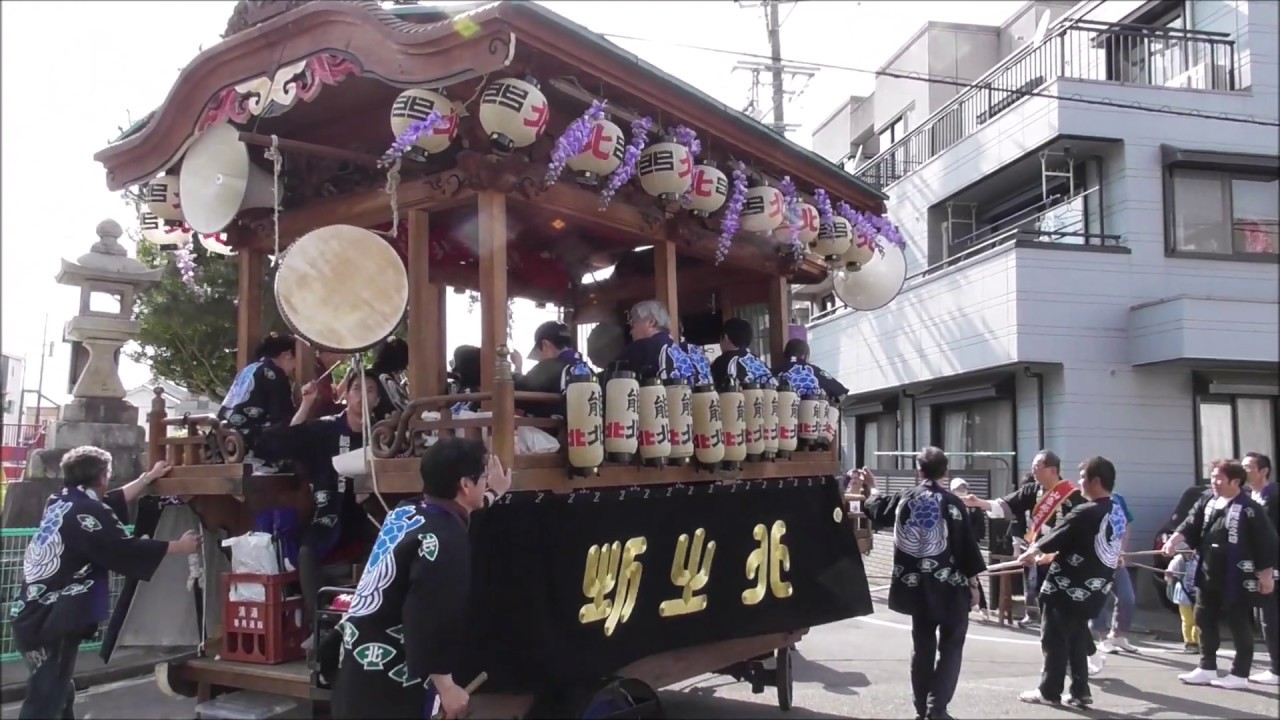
{"x": 887, "y": 230}
{"x": 185, "y": 258}
{"x": 625, "y": 171}
{"x": 790, "y": 203}
{"x": 574, "y": 140}
{"x": 820, "y": 198}
{"x": 402, "y": 144}
{"x": 865, "y": 231}
{"x": 732, "y": 215}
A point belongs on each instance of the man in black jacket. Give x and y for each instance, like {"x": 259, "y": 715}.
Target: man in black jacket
{"x": 936, "y": 562}
{"x": 1263, "y": 491}
{"x": 554, "y": 353}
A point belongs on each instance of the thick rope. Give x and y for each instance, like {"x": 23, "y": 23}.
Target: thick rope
{"x": 393, "y": 189}
{"x": 366, "y": 427}
{"x": 273, "y": 154}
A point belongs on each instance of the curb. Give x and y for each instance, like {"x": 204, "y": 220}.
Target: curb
{"x": 17, "y": 692}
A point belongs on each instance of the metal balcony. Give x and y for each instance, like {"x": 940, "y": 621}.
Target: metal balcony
{"x": 1080, "y": 50}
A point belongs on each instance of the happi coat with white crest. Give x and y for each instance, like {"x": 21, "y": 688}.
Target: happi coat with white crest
{"x": 408, "y": 618}
{"x": 1233, "y": 540}
{"x": 935, "y": 551}
{"x": 1085, "y": 547}
{"x": 65, "y": 588}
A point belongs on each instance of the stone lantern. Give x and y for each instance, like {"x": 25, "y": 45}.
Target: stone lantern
{"x": 108, "y": 280}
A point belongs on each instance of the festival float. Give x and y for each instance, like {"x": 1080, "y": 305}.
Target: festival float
{"x": 378, "y": 157}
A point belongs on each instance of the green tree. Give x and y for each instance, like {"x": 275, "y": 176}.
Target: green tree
{"x": 188, "y": 334}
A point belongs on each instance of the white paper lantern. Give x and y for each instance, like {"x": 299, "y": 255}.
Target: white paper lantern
{"x": 415, "y": 105}
{"x": 216, "y": 243}
{"x": 158, "y": 233}
{"x": 665, "y": 169}
{"x": 833, "y": 238}
{"x": 514, "y": 113}
{"x": 709, "y": 190}
{"x": 859, "y": 253}
{"x": 762, "y": 209}
{"x": 605, "y": 150}
{"x": 807, "y": 219}
{"x": 162, "y": 198}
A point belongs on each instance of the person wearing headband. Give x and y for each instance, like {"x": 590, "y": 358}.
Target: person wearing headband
{"x": 394, "y": 653}
{"x": 936, "y": 563}
{"x": 337, "y": 521}
{"x": 262, "y": 395}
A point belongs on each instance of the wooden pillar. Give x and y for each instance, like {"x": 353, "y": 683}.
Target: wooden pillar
{"x": 249, "y": 308}
{"x": 305, "y": 371}
{"x": 779, "y": 319}
{"x": 495, "y": 372}
{"x": 665, "y": 289}
{"x": 426, "y": 313}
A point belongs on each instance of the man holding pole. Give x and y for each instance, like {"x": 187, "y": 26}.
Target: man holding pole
{"x": 937, "y": 561}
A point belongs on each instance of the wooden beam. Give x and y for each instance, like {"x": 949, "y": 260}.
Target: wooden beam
{"x": 492, "y": 233}
{"x": 249, "y": 308}
{"x": 426, "y": 317}
{"x": 779, "y": 320}
{"x": 304, "y": 371}
{"x": 363, "y": 209}
{"x": 665, "y": 288}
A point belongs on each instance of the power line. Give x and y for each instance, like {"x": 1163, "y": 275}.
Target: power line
{"x": 957, "y": 82}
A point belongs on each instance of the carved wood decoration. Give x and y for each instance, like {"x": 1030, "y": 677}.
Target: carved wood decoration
{"x": 271, "y": 95}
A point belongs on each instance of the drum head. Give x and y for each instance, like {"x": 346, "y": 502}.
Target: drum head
{"x": 342, "y": 288}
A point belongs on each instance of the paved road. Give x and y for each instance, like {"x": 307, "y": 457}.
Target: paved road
{"x": 858, "y": 669}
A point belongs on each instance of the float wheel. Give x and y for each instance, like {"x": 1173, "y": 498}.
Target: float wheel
{"x": 783, "y": 679}
{"x": 171, "y": 684}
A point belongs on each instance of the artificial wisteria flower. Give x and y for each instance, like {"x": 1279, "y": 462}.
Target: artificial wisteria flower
{"x": 402, "y": 144}
{"x": 619, "y": 177}
{"x": 865, "y": 231}
{"x": 887, "y": 230}
{"x": 185, "y": 258}
{"x": 574, "y": 140}
{"x": 732, "y": 215}
{"x": 820, "y": 198}
{"x": 790, "y": 204}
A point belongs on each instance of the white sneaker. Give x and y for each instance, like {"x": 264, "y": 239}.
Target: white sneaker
{"x": 1118, "y": 644}
{"x": 1266, "y": 677}
{"x": 1108, "y": 647}
{"x": 1199, "y": 676}
{"x": 1097, "y": 662}
{"x": 1034, "y": 697}
{"x": 1231, "y": 682}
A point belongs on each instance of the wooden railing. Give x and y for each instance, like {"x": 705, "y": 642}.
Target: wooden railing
{"x": 202, "y": 440}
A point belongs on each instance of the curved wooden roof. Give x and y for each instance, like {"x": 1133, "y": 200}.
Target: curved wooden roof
{"x": 382, "y": 45}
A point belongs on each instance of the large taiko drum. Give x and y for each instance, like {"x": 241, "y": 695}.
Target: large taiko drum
{"x": 341, "y": 288}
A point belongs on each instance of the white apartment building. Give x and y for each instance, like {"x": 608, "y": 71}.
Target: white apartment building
{"x": 12, "y": 372}
{"x": 1085, "y": 277}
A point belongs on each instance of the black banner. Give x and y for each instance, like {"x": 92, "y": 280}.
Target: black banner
{"x": 573, "y": 588}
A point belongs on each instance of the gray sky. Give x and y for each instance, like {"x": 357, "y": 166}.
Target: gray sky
{"x": 63, "y": 102}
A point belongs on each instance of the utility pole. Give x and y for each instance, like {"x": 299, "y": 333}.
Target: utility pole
{"x": 44, "y": 350}
{"x": 775, "y": 56}
{"x": 779, "y": 72}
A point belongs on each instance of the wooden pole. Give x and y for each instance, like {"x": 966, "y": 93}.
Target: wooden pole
{"x": 249, "y": 308}
{"x": 666, "y": 290}
{"x": 779, "y": 319}
{"x": 426, "y": 313}
{"x": 495, "y": 371}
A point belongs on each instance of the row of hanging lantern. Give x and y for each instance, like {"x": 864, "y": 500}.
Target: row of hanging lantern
{"x": 660, "y": 423}
{"x": 514, "y": 112}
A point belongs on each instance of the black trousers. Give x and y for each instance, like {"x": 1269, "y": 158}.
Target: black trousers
{"x": 1270, "y": 611}
{"x": 51, "y": 690}
{"x": 1066, "y": 641}
{"x": 937, "y": 650}
{"x": 1210, "y": 612}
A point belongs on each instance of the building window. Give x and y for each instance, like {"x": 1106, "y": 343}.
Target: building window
{"x": 984, "y": 426}
{"x": 1232, "y": 425}
{"x": 875, "y": 433}
{"x": 1226, "y": 214}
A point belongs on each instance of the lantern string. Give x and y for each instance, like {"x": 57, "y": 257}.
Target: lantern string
{"x": 273, "y": 154}
{"x": 393, "y": 189}
{"x": 484, "y": 83}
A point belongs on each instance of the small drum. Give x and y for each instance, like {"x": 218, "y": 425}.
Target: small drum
{"x": 342, "y": 288}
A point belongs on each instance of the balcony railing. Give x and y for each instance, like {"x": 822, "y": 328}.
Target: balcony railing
{"x": 1080, "y": 50}
{"x": 1048, "y": 226}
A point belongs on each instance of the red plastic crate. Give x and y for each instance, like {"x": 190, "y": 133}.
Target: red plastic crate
{"x": 266, "y": 633}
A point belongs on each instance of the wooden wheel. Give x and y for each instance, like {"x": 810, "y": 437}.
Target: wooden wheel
{"x": 783, "y": 678}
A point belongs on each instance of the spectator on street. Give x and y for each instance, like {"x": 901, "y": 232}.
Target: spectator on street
{"x": 1122, "y": 597}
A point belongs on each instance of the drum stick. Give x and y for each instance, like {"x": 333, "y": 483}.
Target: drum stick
{"x": 469, "y": 689}
{"x": 1156, "y": 570}
{"x": 1010, "y": 565}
